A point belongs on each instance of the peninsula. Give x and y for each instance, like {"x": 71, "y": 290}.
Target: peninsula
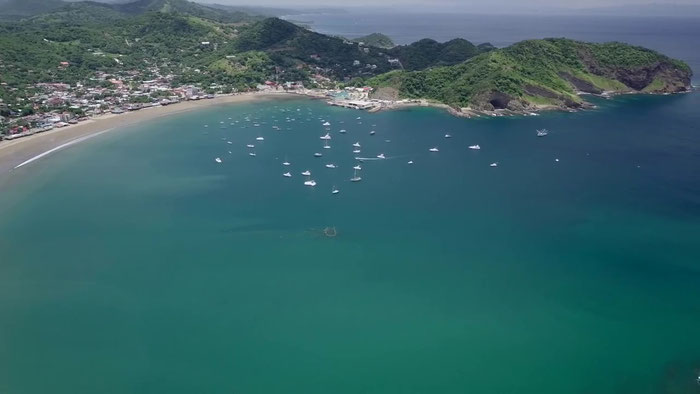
{"x": 65, "y": 62}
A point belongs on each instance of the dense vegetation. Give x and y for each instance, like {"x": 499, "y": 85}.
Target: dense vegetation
{"x": 547, "y": 72}
{"x": 429, "y": 53}
{"x": 378, "y": 40}
{"x": 71, "y": 42}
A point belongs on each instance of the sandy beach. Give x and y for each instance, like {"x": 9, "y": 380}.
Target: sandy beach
{"x": 23, "y": 151}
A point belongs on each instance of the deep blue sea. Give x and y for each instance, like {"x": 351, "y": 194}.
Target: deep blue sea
{"x": 675, "y": 37}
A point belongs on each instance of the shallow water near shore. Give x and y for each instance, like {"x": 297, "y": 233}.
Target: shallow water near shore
{"x": 133, "y": 262}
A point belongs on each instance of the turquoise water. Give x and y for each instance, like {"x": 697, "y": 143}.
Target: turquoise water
{"x": 134, "y": 263}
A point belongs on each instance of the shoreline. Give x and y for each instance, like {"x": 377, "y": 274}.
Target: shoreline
{"x": 22, "y": 151}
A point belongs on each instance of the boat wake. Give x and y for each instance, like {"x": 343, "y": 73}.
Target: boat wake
{"x": 69, "y": 143}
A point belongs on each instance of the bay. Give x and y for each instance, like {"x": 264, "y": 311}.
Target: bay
{"x": 133, "y": 262}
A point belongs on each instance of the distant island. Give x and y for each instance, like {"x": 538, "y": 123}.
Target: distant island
{"x": 71, "y": 60}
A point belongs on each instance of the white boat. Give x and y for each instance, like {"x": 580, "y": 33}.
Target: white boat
{"x": 310, "y": 183}
{"x": 448, "y": 136}
{"x": 355, "y": 178}
{"x": 434, "y": 150}
{"x": 229, "y": 142}
{"x": 342, "y": 131}
{"x": 326, "y": 123}
{"x": 356, "y": 145}
{"x": 306, "y": 173}
{"x": 356, "y": 151}
{"x": 331, "y": 165}
{"x": 372, "y": 132}
{"x": 358, "y": 167}
{"x": 251, "y": 154}
{"x": 325, "y": 145}
{"x": 381, "y": 156}
{"x": 260, "y": 139}
{"x": 325, "y": 137}
{"x": 410, "y": 162}
{"x": 317, "y": 154}
{"x": 493, "y": 164}
{"x": 359, "y": 117}
{"x": 218, "y": 160}
{"x": 335, "y": 191}
{"x": 287, "y": 175}
{"x": 474, "y": 147}
{"x": 286, "y": 163}
{"x": 542, "y": 132}
{"x": 250, "y": 146}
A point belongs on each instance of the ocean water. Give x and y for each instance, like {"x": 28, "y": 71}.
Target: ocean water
{"x": 675, "y": 37}
{"x": 134, "y": 263}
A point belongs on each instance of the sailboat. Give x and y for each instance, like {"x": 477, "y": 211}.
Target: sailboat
{"x": 287, "y": 175}
{"x": 358, "y": 167}
{"x": 381, "y": 156}
{"x": 306, "y": 173}
{"x": 325, "y": 145}
{"x": 356, "y": 144}
{"x": 218, "y": 160}
{"x": 542, "y": 132}
{"x": 334, "y": 190}
{"x": 355, "y": 178}
{"x": 325, "y": 137}
{"x": 286, "y": 163}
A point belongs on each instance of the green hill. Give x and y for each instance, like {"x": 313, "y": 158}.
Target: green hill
{"x": 377, "y": 40}
{"x": 542, "y": 72}
{"x": 429, "y": 53}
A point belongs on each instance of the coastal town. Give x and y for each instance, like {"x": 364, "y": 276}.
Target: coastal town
{"x": 59, "y": 105}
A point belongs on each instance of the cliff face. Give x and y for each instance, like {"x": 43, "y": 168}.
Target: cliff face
{"x": 543, "y": 73}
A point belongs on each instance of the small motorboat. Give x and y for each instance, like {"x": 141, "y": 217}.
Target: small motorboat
{"x": 250, "y": 146}
{"x": 542, "y": 133}
{"x": 287, "y": 175}
{"x": 331, "y": 165}
{"x": 448, "y": 136}
{"x": 335, "y": 191}
{"x": 372, "y": 132}
{"x": 317, "y": 154}
{"x": 310, "y": 183}
{"x": 493, "y": 164}
{"x": 306, "y": 173}
{"x": 434, "y": 150}
{"x": 381, "y": 156}
{"x": 286, "y": 164}
{"x": 356, "y": 145}
{"x": 218, "y": 160}
{"x": 251, "y": 154}
{"x": 260, "y": 139}
{"x": 474, "y": 147}
{"x": 358, "y": 167}
{"x": 356, "y": 151}
{"x": 410, "y": 162}
{"x": 342, "y": 131}
{"x": 325, "y": 137}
